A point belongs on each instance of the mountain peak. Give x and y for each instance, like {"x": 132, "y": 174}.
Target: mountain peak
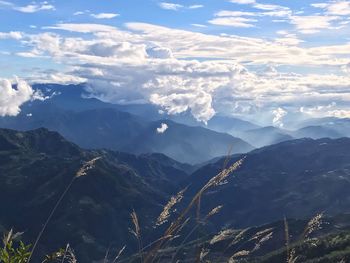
{"x": 40, "y": 140}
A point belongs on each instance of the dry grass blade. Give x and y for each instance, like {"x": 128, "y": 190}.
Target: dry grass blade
{"x": 259, "y": 234}
{"x": 71, "y": 256}
{"x": 82, "y": 171}
{"x": 313, "y": 225}
{"x": 262, "y": 241}
{"x": 119, "y": 254}
{"x": 239, "y": 254}
{"x": 198, "y": 211}
{"x": 216, "y": 180}
{"x": 65, "y": 253}
{"x": 214, "y": 211}
{"x": 163, "y": 217}
{"x": 86, "y": 167}
{"x": 287, "y": 238}
{"x": 222, "y": 235}
{"x": 137, "y": 231}
{"x": 204, "y": 253}
{"x": 228, "y": 156}
{"x": 105, "y": 260}
{"x": 7, "y": 237}
{"x": 292, "y": 258}
{"x": 237, "y": 238}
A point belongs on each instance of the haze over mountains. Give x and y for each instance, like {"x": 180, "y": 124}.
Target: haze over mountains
{"x": 94, "y": 124}
{"x": 137, "y": 128}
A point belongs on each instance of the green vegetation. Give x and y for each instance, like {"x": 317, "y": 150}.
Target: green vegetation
{"x": 12, "y": 251}
{"x": 15, "y": 251}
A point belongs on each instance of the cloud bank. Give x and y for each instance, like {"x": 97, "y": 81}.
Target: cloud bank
{"x": 204, "y": 74}
{"x": 11, "y": 99}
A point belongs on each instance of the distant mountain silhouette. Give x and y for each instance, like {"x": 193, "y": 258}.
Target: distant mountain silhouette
{"x": 91, "y": 123}
{"x": 231, "y": 125}
{"x": 265, "y": 136}
{"x": 297, "y": 179}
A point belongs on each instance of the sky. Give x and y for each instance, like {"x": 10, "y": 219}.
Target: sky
{"x": 262, "y": 60}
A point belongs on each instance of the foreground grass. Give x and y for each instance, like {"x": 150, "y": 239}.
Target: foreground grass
{"x": 176, "y": 243}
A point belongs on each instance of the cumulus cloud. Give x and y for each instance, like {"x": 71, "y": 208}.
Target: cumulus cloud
{"x": 329, "y": 110}
{"x": 163, "y": 127}
{"x": 159, "y": 52}
{"x": 279, "y": 113}
{"x": 148, "y": 63}
{"x": 11, "y": 99}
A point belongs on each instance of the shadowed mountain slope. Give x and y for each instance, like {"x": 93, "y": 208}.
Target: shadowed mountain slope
{"x": 37, "y": 166}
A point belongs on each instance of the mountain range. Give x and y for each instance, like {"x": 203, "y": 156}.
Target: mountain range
{"x": 66, "y": 105}
{"x": 296, "y": 179}
{"x": 37, "y": 166}
{"x": 91, "y": 123}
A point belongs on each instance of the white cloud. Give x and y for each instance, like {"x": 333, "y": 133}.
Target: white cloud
{"x": 11, "y": 35}
{"x": 319, "y": 5}
{"x": 243, "y": 2}
{"x": 199, "y": 25}
{"x": 270, "y": 7}
{"x": 104, "y": 15}
{"x": 148, "y": 63}
{"x": 234, "y": 13}
{"x": 11, "y": 99}
{"x": 83, "y": 28}
{"x": 5, "y": 3}
{"x": 78, "y": 13}
{"x": 159, "y": 52}
{"x": 195, "y": 6}
{"x": 32, "y": 8}
{"x": 247, "y": 19}
{"x": 233, "y": 21}
{"x": 55, "y": 77}
{"x": 313, "y": 23}
{"x": 163, "y": 127}
{"x": 170, "y": 6}
{"x": 326, "y": 110}
{"x": 340, "y": 8}
{"x": 279, "y": 114}
{"x": 346, "y": 68}
{"x": 288, "y": 39}
{"x": 336, "y": 8}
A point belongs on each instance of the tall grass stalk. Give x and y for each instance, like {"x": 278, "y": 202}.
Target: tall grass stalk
{"x": 81, "y": 172}
{"x": 137, "y": 232}
{"x": 216, "y": 180}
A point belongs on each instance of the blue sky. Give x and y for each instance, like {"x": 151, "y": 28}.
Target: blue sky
{"x": 263, "y": 59}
